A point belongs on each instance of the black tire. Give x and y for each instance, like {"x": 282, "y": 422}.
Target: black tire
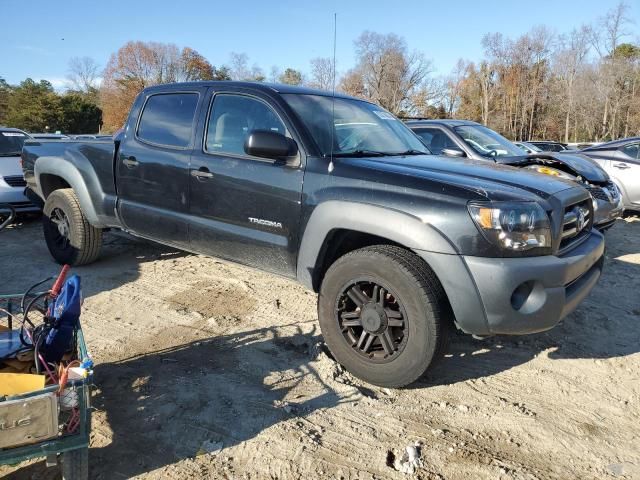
{"x": 75, "y": 464}
{"x": 417, "y": 296}
{"x": 69, "y": 236}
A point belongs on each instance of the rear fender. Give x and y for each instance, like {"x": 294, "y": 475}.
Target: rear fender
{"x": 81, "y": 183}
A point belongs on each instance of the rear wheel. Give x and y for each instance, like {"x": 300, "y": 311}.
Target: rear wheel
{"x": 383, "y": 314}
{"x": 69, "y": 236}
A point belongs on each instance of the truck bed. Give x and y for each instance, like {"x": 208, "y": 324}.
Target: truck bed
{"x": 91, "y": 162}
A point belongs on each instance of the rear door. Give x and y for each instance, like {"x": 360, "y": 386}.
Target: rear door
{"x": 244, "y": 208}
{"x": 152, "y": 168}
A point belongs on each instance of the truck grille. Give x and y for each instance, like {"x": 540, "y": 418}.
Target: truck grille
{"x": 608, "y": 193}
{"x": 576, "y": 224}
{"x": 15, "y": 181}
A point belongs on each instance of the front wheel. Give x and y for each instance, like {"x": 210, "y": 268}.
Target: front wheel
{"x": 383, "y": 314}
{"x": 69, "y": 236}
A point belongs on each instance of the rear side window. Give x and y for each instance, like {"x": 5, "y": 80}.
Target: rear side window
{"x": 233, "y": 118}
{"x": 632, "y": 150}
{"x": 167, "y": 119}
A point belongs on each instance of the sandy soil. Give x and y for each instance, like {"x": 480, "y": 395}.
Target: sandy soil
{"x": 192, "y": 351}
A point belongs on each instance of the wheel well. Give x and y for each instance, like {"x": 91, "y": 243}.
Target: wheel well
{"x": 340, "y": 242}
{"x": 49, "y": 183}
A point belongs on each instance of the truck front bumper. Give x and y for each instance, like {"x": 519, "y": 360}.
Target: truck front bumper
{"x": 514, "y": 296}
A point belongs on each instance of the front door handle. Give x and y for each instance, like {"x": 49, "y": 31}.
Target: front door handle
{"x": 202, "y": 173}
{"x": 622, "y": 166}
{"x": 130, "y": 162}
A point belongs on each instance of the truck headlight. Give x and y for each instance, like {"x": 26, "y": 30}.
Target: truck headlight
{"x": 513, "y": 225}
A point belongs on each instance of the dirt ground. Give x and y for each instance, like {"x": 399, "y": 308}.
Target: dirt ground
{"x": 192, "y": 351}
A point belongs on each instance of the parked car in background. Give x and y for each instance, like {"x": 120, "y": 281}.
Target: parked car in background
{"x": 463, "y": 138}
{"x": 50, "y": 136}
{"x": 528, "y": 147}
{"x": 583, "y": 145}
{"x": 12, "y": 184}
{"x": 547, "y": 146}
{"x": 621, "y": 160}
{"x": 87, "y": 136}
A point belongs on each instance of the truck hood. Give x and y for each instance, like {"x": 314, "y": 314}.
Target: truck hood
{"x": 575, "y": 164}
{"x": 475, "y": 175}
{"x": 10, "y": 166}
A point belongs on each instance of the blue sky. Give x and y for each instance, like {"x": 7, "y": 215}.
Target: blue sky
{"x": 39, "y": 37}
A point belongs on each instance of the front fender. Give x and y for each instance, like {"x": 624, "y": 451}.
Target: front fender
{"x": 394, "y": 225}
{"x": 409, "y": 231}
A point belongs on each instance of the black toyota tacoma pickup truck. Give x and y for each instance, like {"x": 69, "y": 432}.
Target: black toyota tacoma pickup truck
{"x": 336, "y": 193}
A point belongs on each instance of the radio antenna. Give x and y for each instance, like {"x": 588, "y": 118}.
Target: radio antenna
{"x": 333, "y": 93}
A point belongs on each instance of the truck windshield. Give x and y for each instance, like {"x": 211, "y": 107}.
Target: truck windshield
{"x": 11, "y": 143}
{"x": 488, "y": 143}
{"x": 357, "y": 128}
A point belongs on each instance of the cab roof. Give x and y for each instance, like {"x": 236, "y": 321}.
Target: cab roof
{"x": 11, "y": 129}
{"x": 440, "y": 121}
{"x": 261, "y": 86}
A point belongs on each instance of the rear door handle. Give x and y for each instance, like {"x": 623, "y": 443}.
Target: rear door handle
{"x": 202, "y": 173}
{"x": 130, "y": 162}
{"x": 622, "y": 166}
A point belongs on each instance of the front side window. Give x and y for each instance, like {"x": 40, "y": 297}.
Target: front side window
{"x": 632, "y": 150}
{"x": 167, "y": 119}
{"x": 355, "y": 127}
{"x": 486, "y": 142}
{"x": 233, "y": 118}
{"x": 436, "y": 140}
{"x": 531, "y": 148}
{"x": 11, "y": 143}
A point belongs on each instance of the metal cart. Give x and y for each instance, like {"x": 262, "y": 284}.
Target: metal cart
{"x": 61, "y": 445}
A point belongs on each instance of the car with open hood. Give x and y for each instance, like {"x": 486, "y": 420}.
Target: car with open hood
{"x": 464, "y": 138}
{"x": 621, "y": 160}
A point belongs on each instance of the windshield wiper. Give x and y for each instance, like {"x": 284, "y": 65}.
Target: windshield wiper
{"x": 412, "y": 152}
{"x": 10, "y": 154}
{"x": 362, "y": 153}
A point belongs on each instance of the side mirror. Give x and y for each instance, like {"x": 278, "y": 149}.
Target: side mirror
{"x": 453, "y": 152}
{"x": 268, "y": 144}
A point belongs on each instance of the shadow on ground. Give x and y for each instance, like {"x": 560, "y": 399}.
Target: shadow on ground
{"x": 22, "y": 245}
{"x": 163, "y": 406}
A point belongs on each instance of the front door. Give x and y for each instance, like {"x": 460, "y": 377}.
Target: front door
{"x": 244, "y": 208}
{"x": 152, "y": 169}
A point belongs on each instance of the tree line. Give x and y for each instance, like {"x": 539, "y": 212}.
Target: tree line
{"x": 37, "y": 107}
{"x": 579, "y": 86}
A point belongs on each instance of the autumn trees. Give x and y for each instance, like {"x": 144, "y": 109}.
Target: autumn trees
{"x": 137, "y": 65}
{"x": 579, "y": 86}
{"x": 387, "y": 73}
